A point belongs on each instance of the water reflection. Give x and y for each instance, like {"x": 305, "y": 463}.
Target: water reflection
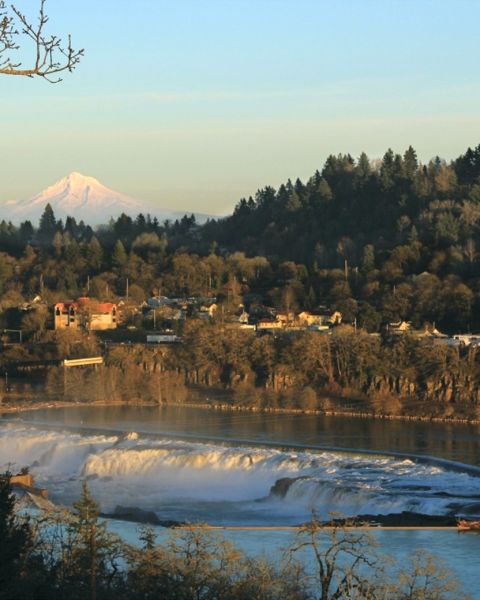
{"x": 458, "y": 442}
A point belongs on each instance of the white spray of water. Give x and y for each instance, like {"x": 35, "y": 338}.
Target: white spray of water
{"x": 187, "y": 479}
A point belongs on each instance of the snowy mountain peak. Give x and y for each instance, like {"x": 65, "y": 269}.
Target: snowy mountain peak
{"x": 84, "y": 198}
{"x": 79, "y": 196}
{"x": 76, "y": 180}
{"x": 77, "y": 190}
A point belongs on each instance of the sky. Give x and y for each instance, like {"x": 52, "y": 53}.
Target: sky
{"x": 193, "y": 104}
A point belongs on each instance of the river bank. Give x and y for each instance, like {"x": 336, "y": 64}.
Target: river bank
{"x": 27, "y": 403}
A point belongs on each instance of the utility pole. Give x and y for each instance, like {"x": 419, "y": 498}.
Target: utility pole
{"x": 346, "y": 270}
{"x": 127, "y": 289}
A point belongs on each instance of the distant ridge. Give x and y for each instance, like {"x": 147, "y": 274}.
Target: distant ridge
{"x": 84, "y": 198}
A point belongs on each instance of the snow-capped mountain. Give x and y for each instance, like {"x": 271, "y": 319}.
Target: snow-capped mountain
{"x": 84, "y": 198}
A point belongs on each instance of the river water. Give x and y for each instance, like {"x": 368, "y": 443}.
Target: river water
{"x": 239, "y": 468}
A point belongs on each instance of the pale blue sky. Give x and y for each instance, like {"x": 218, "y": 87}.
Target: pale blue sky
{"x": 195, "y": 103}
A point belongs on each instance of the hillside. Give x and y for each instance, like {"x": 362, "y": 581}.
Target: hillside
{"x": 380, "y": 242}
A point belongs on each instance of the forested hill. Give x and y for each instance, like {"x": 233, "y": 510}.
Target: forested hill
{"x": 390, "y": 239}
{"x": 353, "y": 203}
{"x": 379, "y": 241}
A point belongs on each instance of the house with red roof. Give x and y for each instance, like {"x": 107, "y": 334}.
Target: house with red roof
{"x": 86, "y": 313}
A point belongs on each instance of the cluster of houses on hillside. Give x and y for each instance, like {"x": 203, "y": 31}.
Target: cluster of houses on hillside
{"x": 433, "y": 335}
{"x": 162, "y": 312}
{"x": 88, "y": 314}
{"x": 260, "y": 318}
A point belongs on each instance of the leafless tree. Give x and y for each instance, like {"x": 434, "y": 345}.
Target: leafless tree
{"x": 51, "y": 55}
{"x": 347, "y": 567}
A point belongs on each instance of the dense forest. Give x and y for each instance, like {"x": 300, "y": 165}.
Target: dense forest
{"x": 379, "y": 240}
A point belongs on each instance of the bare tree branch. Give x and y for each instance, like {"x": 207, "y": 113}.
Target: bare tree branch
{"x": 51, "y": 56}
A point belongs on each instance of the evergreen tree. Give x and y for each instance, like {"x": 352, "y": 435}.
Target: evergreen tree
{"x": 324, "y": 191}
{"x": 26, "y": 232}
{"x": 410, "y": 163}
{"x": 364, "y": 169}
{"x": 94, "y": 255}
{"x": 467, "y": 166}
{"x": 368, "y": 258}
{"x": 311, "y": 299}
{"x": 95, "y": 552}
{"x": 119, "y": 256}
{"x": 16, "y": 541}
{"x": 387, "y": 169}
{"x": 71, "y": 227}
{"x": 47, "y": 226}
{"x": 294, "y": 203}
{"x": 57, "y": 244}
{"x": 140, "y": 223}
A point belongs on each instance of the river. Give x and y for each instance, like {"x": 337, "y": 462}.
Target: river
{"x": 255, "y": 469}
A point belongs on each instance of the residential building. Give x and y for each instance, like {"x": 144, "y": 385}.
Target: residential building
{"x": 86, "y": 313}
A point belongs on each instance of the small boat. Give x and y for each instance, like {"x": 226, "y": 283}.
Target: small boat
{"x": 464, "y": 525}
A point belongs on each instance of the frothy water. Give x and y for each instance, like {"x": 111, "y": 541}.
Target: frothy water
{"x": 188, "y": 480}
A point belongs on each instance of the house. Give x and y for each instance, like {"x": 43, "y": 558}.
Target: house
{"x": 399, "y": 328}
{"x": 159, "y": 301}
{"x": 467, "y": 339}
{"x": 267, "y": 325}
{"x": 91, "y": 315}
{"x": 101, "y": 316}
{"x": 334, "y": 318}
{"x": 307, "y": 319}
{"x": 65, "y": 315}
{"x": 208, "y": 309}
{"x": 285, "y": 318}
{"x": 243, "y": 317}
{"x": 319, "y": 320}
{"x": 432, "y": 334}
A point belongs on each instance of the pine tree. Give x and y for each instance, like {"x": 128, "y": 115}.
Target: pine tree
{"x": 26, "y": 232}
{"x": 57, "y": 244}
{"x": 368, "y": 258}
{"x": 119, "y": 256}
{"x": 387, "y": 169}
{"x": 311, "y": 298}
{"x": 16, "y": 540}
{"x": 47, "y": 225}
{"x": 364, "y": 169}
{"x": 95, "y": 551}
{"x": 410, "y": 163}
{"x": 324, "y": 191}
{"x": 94, "y": 255}
{"x": 294, "y": 203}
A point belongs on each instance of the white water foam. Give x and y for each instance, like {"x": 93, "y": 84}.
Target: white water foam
{"x": 191, "y": 480}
